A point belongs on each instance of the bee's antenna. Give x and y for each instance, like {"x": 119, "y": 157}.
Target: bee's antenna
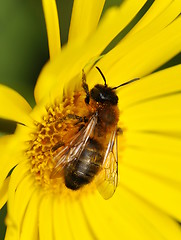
{"x": 105, "y": 84}
{"x": 123, "y": 84}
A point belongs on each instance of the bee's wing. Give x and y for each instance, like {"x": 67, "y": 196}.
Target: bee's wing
{"x": 107, "y": 179}
{"x": 74, "y": 149}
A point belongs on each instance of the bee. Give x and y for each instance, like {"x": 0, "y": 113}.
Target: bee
{"x": 92, "y": 151}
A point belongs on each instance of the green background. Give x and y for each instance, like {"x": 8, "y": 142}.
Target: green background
{"x": 24, "y": 49}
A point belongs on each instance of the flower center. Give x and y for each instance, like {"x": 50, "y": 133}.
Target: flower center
{"x": 58, "y": 127}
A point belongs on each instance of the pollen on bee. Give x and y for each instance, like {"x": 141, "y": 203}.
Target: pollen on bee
{"x": 57, "y": 127}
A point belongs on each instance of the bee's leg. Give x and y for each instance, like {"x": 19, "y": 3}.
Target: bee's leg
{"x": 74, "y": 117}
{"x": 85, "y": 87}
{"x": 79, "y": 118}
{"x": 57, "y": 146}
{"x": 119, "y": 131}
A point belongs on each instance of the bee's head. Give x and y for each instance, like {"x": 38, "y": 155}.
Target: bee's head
{"x": 103, "y": 94}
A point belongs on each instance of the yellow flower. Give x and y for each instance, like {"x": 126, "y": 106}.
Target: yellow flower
{"x": 146, "y": 204}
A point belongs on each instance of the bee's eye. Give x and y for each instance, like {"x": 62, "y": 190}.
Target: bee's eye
{"x": 104, "y": 94}
{"x": 95, "y": 94}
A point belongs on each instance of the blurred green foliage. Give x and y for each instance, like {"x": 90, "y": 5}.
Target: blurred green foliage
{"x": 23, "y": 44}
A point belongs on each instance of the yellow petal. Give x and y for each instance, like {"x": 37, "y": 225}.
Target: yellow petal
{"x": 46, "y": 219}
{"x": 85, "y": 17}
{"x": 4, "y": 140}
{"x": 64, "y": 67}
{"x": 4, "y": 192}
{"x": 146, "y": 57}
{"x": 112, "y": 23}
{"x": 154, "y": 163}
{"x": 156, "y": 9}
{"x": 101, "y": 222}
{"x": 30, "y": 224}
{"x": 73, "y": 58}
{"x": 11, "y": 234}
{"x": 18, "y": 174}
{"x": 25, "y": 189}
{"x": 113, "y": 219}
{"x": 162, "y": 115}
{"x": 10, "y": 157}
{"x": 52, "y": 24}
{"x": 14, "y": 107}
{"x": 7, "y": 165}
{"x": 17, "y": 206}
{"x": 75, "y": 213}
{"x": 153, "y": 224}
{"x": 153, "y": 142}
{"x": 163, "y": 194}
{"x": 4, "y": 183}
{"x": 149, "y": 87}
{"x": 145, "y": 29}
{"x": 61, "y": 222}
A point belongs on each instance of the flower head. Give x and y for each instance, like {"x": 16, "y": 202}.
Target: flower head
{"x": 34, "y": 166}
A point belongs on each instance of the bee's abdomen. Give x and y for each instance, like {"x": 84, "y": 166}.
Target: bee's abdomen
{"x": 80, "y": 172}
